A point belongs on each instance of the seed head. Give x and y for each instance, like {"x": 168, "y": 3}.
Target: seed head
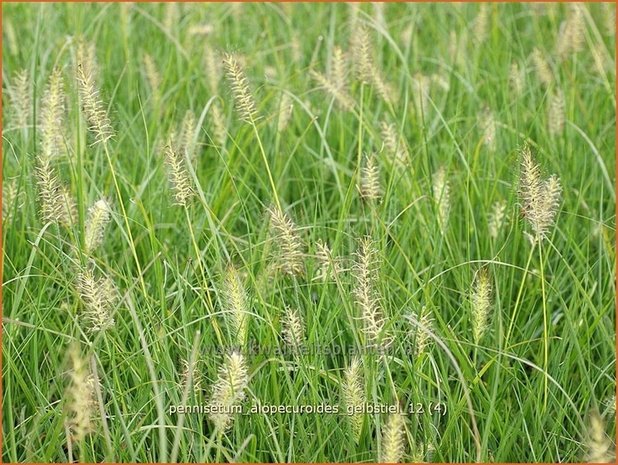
{"x": 92, "y": 105}
{"x": 288, "y": 244}
{"x": 442, "y": 198}
{"x": 245, "y": 104}
{"x": 543, "y": 72}
{"x": 178, "y": 175}
{"x": 394, "y": 143}
{"x": 19, "y": 96}
{"x": 481, "y": 303}
{"x": 99, "y": 297}
{"x": 497, "y": 218}
{"x": 286, "y": 107}
{"x": 361, "y": 53}
{"x": 57, "y": 205}
{"x": 186, "y": 136}
{"x": 329, "y": 266}
{"x": 99, "y": 215}
{"x": 213, "y": 68}
{"x": 192, "y": 375}
{"x": 293, "y": 328}
{"x": 370, "y": 180}
{"x": 366, "y": 293}
{"x": 339, "y": 69}
{"x": 516, "y": 78}
{"x": 539, "y": 198}
{"x": 481, "y": 23}
{"x": 354, "y": 399}
{"x": 343, "y": 99}
{"x": 555, "y": 113}
{"x": 235, "y": 304}
{"x": 599, "y": 446}
{"x": 153, "y": 76}
{"x": 571, "y": 36}
{"x": 219, "y": 126}
{"x": 229, "y": 390}
{"x": 393, "y": 439}
{"x": 421, "y": 338}
{"x": 80, "y": 396}
{"x": 52, "y": 121}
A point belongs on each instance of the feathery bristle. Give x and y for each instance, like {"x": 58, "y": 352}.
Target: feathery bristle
{"x": 481, "y": 303}
{"x": 186, "y": 136}
{"x": 94, "y": 110}
{"x": 80, "y": 397}
{"x": 442, "y": 198}
{"x": 384, "y": 89}
{"x": 339, "y": 71}
{"x": 366, "y": 292}
{"x": 609, "y": 17}
{"x": 330, "y": 266}
{"x": 555, "y": 113}
{"x": 539, "y": 199}
{"x": 344, "y": 101}
{"x": 51, "y": 120}
{"x": 293, "y": 328}
{"x": 571, "y": 36}
{"x": 153, "y": 76}
{"x": 19, "y": 95}
{"x": 229, "y": 390}
{"x": 598, "y": 444}
{"x": 286, "y": 107}
{"x": 421, "y": 338}
{"x": 496, "y": 219}
{"x": 245, "y": 104}
{"x": 213, "y": 69}
{"x": 361, "y": 53}
{"x": 393, "y": 439}
{"x": 99, "y": 215}
{"x": 56, "y": 203}
{"x": 516, "y": 78}
{"x": 10, "y": 196}
{"x": 235, "y": 303}
{"x": 99, "y": 296}
{"x": 543, "y": 71}
{"x": 287, "y": 241}
{"x": 394, "y": 143}
{"x": 369, "y": 187}
{"x": 219, "y": 128}
{"x": 487, "y": 123}
{"x": 353, "y": 392}
{"x": 178, "y": 175}
{"x": 192, "y": 375}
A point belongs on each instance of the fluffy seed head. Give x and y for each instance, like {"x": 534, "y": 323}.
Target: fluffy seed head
{"x": 481, "y": 23}
{"x": 80, "y": 396}
{"x": 219, "y": 127}
{"x": 343, "y": 99}
{"x": 329, "y": 266}
{"x": 366, "y": 293}
{"x": 393, "y": 439}
{"x": 52, "y": 121}
{"x": 394, "y": 143}
{"x": 99, "y": 297}
{"x": 99, "y": 215}
{"x": 361, "y": 54}
{"x": 286, "y": 107}
{"x": 153, "y": 76}
{"x": 19, "y": 96}
{"x": 539, "y": 199}
{"x": 369, "y": 187}
{"x": 497, "y": 218}
{"x": 555, "y": 113}
{"x": 235, "y": 304}
{"x": 339, "y": 69}
{"x": 571, "y": 36}
{"x": 94, "y": 110}
{"x": 353, "y": 393}
{"x": 245, "y": 104}
{"x": 516, "y": 78}
{"x": 229, "y": 390}
{"x": 10, "y": 196}
{"x": 598, "y": 444}
{"x": 186, "y": 136}
{"x": 57, "y": 205}
{"x": 421, "y": 338}
{"x": 543, "y": 71}
{"x": 289, "y": 247}
{"x": 191, "y": 374}
{"x": 178, "y": 175}
{"x": 488, "y": 127}
{"x": 293, "y": 328}
{"x": 442, "y": 198}
{"x": 213, "y": 68}
{"x": 481, "y": 303}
